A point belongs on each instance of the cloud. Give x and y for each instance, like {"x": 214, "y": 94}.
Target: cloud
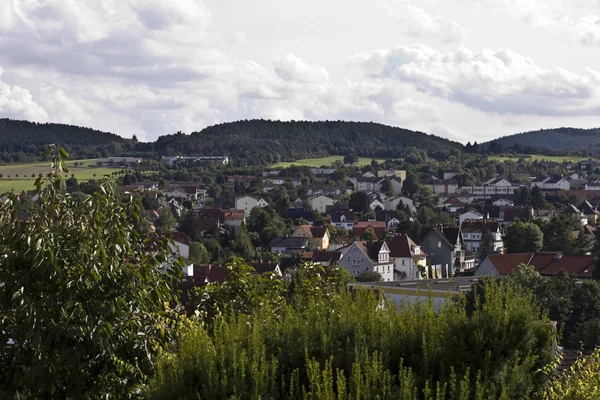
{"x": 18, "y": 102}
{"x": 497, "y": 81}
{"x": 292, "y": 68}
{"x": 416, "y": 22}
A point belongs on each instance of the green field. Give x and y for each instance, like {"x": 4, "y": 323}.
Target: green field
{"x": 24, "y": 181}
{"x": 539, "y": 157}
{"x": 326, "y": 161}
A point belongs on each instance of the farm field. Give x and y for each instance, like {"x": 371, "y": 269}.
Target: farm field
{"x": 17, "y": 177}
{"x": 326, "y": 161}
{"x": 539, "y": 157}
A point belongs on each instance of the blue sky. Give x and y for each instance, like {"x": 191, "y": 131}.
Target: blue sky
{"x": 462, "y": 69}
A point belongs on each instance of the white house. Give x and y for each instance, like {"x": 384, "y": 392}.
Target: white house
{"x": 503, "y": 203}
{"x": 376, "y": 204}
{"x": 362, "y": 257}
{"x": 472, "y": 231}
{"x": 555, "y": 182}
{"x": 247, "y": 203}
{"x": 391, "y": 203}
{"x": 408, "y": 258}
{"x": 468, "y": 215}
{"x": 320, "y": 203}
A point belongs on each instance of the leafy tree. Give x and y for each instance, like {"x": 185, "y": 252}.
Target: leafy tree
{"x": 486, "y": 247}
{"x": 369, "y": 276}
{"x": 166, "y": 219}
{"x": 359, "y": 202}
{"x": 82, "y": 295}
{"x": 266, "y": 224}
{"x": 523, "y": 237}
{"x": 411, "y": 184}
{"x": 198, "y": 253}
{"x": 386, "y": 187}
{"x": 351, "y": 158}
{"x": 242, "y": 244}
{"x": 369, "y": 235}
{"x": 558, "y": 233}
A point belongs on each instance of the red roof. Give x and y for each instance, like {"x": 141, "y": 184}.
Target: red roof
{"x": 360, "y": 227}
{"x": 547, "y": 264}
{"x": 402, "y": 247}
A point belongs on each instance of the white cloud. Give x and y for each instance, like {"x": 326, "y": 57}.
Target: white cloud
{"x": 417, "y": 22}
{"x": 498, "y": 81}
{"x": 292, "y": 68}
{"x": 17, "y": 102}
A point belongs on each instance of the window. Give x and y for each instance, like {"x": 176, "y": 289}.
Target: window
{"x": 439, "y": 243}
{"x": 388, "y": 268}
{"x": 367, "y": 269}
{"x": 402, "y": 262}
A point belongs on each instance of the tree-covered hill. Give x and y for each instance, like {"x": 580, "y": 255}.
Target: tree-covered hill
{"x": 266, "y": 142}
{"x": 584, "y": 141}
{"x": 22, "y": 140}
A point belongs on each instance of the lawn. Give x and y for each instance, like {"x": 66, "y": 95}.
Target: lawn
{"x": 540, "y": 157}
{"x": 326, "y": 161}
{"x": 24, "y": 181}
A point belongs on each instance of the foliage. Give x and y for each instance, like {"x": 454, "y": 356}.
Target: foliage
{"x": 166, "y": 221}
{"x": 579, "y": 381}
{"x": 359, "y": 202}
{"x": 369, "y": 276}
{"x": 340, "y": 344}
{"x": 199, "y": 254}
{"x": 82, "y": 295}
{"x": 523, "y": 237}
{"x": 487, "y": 246}
{"x": 369, "y": 235}
{"x": 351, "y": 158}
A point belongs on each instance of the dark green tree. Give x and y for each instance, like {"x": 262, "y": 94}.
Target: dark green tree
{"x": 486, "y": 246}
{"x": 82, "y": 295}
{"x": 351, "y": 158}
{"x": 359, "y": 202}
{"x": 523, "y": 237}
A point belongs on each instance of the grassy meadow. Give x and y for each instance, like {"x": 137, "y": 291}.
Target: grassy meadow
{"x": 539, "y": 157}
{"x": 325, "y": 161}
{"x": 18, "y": 177}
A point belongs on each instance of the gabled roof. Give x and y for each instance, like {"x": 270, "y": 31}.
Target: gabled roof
{"x": 548, "y": 263}
{"x": 481, "y": 225}
{"x": 289, "y": 242}
{"x": 402, "y": 247}
{"x": 587, "y": 208}
{"x": 263, "y": 267}
{"x": 318, "y": 231}
{"x": 326, "y": 256}
{"x": 179, "y": 237}
{"x": 371, "y": 249}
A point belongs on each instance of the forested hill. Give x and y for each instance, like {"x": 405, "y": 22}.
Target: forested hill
{"x": 551, "y": 140}
{"x": 266, "y": 142}
{"x": 24, "y": 140}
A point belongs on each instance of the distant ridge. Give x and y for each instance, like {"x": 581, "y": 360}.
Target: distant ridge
{"x": 266, "y": 142}
{"x": 559, "y": 140}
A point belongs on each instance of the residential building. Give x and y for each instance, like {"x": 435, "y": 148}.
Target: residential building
{"x": 391, "y": 203}
{"x": 408, "y": 258}
{"x": 502, "y": 202}
{"x": 290, "y": 245}
{"x": 547, "y": 264}
{"x": 360, "y": 257}
{"x": 389, "y": 173}
{"x": 247, "y": 203}
{"x": 472, "y": 231}
{"x": 319, "y": 235}
{"x": 360, "y": 227}
{"x": 589, "y": 211}
{"x": 572, "y": 210}
{"x": 265, "y": 267}
{"x": 554, "y": 182}
{"x": 326, "y": 258}
{"x": 469, "y": 215}
{"x": 320, "y": 203}
{"x": 377, "y": 205}
{"x": 217, "y": 159}
{"x": 342, "y": 219}
{"x": 444, "y": 247}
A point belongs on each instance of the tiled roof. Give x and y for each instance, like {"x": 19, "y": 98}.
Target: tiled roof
{"x": 263, "y": 267}
{"x": 326, "y": 256}
{"x": 179, "y": 237}
{"x": 549, "y": 263}
{"x": 401, "y": 247}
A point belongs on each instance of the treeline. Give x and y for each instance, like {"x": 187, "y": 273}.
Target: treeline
{"x": 560, "y": 141}
{"x": 24, "y": 141}
{"x": 259, "y": 142}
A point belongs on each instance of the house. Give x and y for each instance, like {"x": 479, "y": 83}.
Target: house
{"x": 290, "y": 245}
{"x": 468, "y": 215}
{"x": 360, "y": 227}
{"x": 189, "y": 192}
{"x": 444, "y": 247}
{"x": 319, "y": 235}
{"x": 503, "y": 203}
{"x": 234, "y": 217}
{"x": 554, "y": 182}
{"x": 326, "y": 258}
{"x": 247, "y": 203}
{"x": 320, "y": 203}
{"x": 389, "y": 217}
{"x": 444, "y": 186}
{"x": 472, "y": 231}
{"x": 360, "y": 257}
{"x": 547, "y": 264}
{"x": 453, "y": 205}
{"x": 572, "y": 210}
{"x": 498, "y": 182}
{"x": 390, "y": 173}
{"x": 589, "y": 211}
{"x": 377, "y": 204}
{"x": 216, "y": 159}
{"x": 366, "y": 183}
{"x": 408, "y": 258}
{"x": 342, "y": 219}
{"x": 592, "y": 186}
{"x": 391, "y": 203}
{"x": 265, "y": 267}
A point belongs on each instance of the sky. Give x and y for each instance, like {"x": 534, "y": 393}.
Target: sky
{"x": 467, "y": 70}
